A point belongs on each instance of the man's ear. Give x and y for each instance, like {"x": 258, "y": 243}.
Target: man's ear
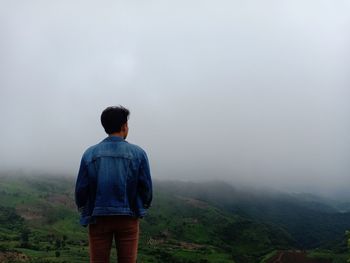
{"x": 125, "y": 126}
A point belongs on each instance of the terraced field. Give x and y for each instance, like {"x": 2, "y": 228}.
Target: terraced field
{"x": 295, "y": 257}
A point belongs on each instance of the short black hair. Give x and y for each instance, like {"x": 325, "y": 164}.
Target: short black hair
{"x": 113, "y": 118}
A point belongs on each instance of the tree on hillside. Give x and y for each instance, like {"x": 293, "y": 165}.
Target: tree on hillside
{"x": 347, "y": 233}
{"x": 24, "y": 238}
{"x": 58, "y": 243}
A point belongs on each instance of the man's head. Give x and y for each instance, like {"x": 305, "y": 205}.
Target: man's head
{"x": 115, "y": 120}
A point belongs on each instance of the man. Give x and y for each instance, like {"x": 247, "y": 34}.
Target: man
{"x": 113, "y": 190}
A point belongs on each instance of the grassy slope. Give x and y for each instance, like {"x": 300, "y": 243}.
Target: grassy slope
{"x": 309, "y": 219}
{"x": 177, "y": 229}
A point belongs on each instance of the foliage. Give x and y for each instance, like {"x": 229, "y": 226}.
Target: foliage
{"x": 347, "y": 233}
{"x": 187, "y": 223}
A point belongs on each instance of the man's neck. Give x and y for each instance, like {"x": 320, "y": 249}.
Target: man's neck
{"x": 120, "y": 134}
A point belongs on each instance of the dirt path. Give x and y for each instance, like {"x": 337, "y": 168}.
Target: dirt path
{"x": 295, "y": 256}
{"x": 13, "y": 257}
{"x": 279, "y": 258}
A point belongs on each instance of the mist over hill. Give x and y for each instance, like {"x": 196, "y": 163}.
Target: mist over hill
{"x": 242, "y": 107}
{"x": 249, "y": 91}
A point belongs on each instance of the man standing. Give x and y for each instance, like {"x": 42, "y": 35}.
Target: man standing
{"x": 113, "y": 190}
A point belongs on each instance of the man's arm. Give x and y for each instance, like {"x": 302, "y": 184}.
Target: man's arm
{"x": 82, "y": 185}
{"x": 145, "y": 182}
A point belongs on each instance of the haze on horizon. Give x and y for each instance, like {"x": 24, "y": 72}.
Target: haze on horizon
{"x": 250, "y": 91}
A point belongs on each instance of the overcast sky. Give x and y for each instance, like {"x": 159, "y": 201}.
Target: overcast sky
{"x": 245, "y": 90}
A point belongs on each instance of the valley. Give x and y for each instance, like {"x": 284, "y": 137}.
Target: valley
{"x": 187, "y": 223}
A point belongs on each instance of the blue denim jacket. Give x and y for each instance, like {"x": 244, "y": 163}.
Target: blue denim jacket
{"x": 114, "y": 179}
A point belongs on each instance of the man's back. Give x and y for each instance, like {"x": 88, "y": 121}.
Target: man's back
{"x": 118, "y": 179}
{"x": 113, "y": 190}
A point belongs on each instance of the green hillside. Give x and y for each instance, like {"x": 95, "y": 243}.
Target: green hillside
{"x": 39, "y": 223}
{"x": 310, "y": 220}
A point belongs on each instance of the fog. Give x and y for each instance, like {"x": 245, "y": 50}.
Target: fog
{"x": 253, "y": 92}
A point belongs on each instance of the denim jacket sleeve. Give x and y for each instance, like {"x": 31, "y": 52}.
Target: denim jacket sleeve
{"x": 145, "y": 181}
{"x": 82, "y": 185}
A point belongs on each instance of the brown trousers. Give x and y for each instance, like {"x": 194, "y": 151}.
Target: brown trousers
{"x": 124, "y": 230}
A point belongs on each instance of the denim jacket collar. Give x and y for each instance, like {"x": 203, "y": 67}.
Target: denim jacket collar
{"x": 113, "y": 138}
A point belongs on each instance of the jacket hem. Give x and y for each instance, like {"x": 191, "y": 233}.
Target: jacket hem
{"x": 109, "y": 211}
